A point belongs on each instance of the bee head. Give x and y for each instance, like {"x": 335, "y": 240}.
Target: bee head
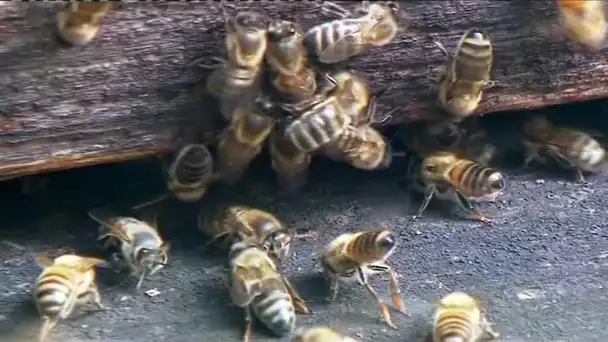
{"x": 434, "y": 165}
{"x": 279, "y": 244}
{"x": 151, "y": 258}
{"x": 280, "y": 29}
{"x": 463, "y": 105}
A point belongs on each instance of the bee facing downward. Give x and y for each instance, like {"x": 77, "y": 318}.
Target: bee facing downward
{"x": 140, "y": 247}
{"x": 352, "y": 257}
{"x": 258, "y": 286}
{"x": 320, "y": 334}
{"x": 79, "y": 22}
{"x": 458, "y": 318}
{"x": 190, "y": 172}
{"x": 65, "y": 282}
{"x": 584, "y": 22}
{"x": 466, "y": 74}
{"x": 290, "y": 163}
{"x": 573, "y": 149}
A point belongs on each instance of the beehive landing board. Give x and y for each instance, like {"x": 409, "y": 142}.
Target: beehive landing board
{"x": 122, "y": 97}
{"x": 542, "y": 267}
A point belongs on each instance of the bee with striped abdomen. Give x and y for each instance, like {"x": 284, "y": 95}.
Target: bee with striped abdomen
{"x": 458, "y": 318}
{"x": 290, "y": 163}
{"x": 140, "y": 247}
{"x": 65, "y": 282}
{"x": 79, "y": 22}
{"x": 469, "y": 180}
{"x": 258, "y": 287}
{"x": 190, "y": 172}
{"x": 352, "y": 257}
{"x": 362, "y": 147}
{"x": 237, "y": 223}
{"x": 320, "y": 334}
{"x": 584, "y": 22}
{"x": 243, "y": 139}
{"x": 466, "y": 74}
{"x": 544, "y": 141}
{"x": 369, "y": 25}
{"x": 236, "y": 81}
{"x": 287, "y": 57}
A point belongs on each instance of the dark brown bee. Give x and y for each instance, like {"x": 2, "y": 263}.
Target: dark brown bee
{"x": 190, "y": 172}
{"x": 79, "y": 22}
{"x": 352, "y": 257}
{"x": 290, "y": 163}
{"x": 243, "y": 139}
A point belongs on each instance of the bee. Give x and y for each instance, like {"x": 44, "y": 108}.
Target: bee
{"x": 235, "y": 81}
{"x": 258, "y": 286}
{"x": 79, "y": 22}
{"x": 190, "y": 172}
{"x": 369, "y": 25}
{"x": 362, "y": 147}
{"x": 573, "y": 149}
{"x": 475, "y": 144}
{"x": 287, "y": 57}
{"x": 584, "y": 22}
{"x": 290, "y": 163}
{"x": 469, "y": 180}
{"x": 141, "y": 248}
{"x": 243, "y": 139}
{"x": 352, "y": 257}
{"x": 65, "y": 282}
{"x": 320, "y": 334}
{"x": 240, "y": 223}
{"x": 425, "y": 138}
{"x": 467, "y": 74}
{"x": 458, "y": 318}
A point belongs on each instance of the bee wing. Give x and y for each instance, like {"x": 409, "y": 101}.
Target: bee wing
{"x": 335, "y": 53}
{"x": 43, "y": 259}
{"x": 86, "y": 263}
{"x": 104, "y": 218}
{"x": 243, "y": 289}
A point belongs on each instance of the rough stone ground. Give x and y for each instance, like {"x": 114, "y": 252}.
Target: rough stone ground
{"x": 542, "y": 268}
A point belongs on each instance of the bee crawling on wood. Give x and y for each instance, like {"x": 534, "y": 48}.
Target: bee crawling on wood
{"x": 320, "y": 334}
{"x": 466, "y": 74}
{"x": 258, "y": 287}
{"x": 468, "y": 180}
{"x": 371, "y": 24}
{"x": 584, "y": 22}
{"x": 79, "y": 22}
{"x": 458, "y": 318}
{"x": 236, "y": 223}
{"x": 65, "y": 282}
{"x": 140, "y": 247}
{"x": 544, "y": 141}
{"x": 352, "y": 257}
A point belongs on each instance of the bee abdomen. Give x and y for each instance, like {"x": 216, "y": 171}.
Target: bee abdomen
{"x": 473, "y": 60}
{"x": 450, "y": 326}
{"x": 194, "y": 165}
{"x": 317, "y": 127}
{"x": 276, "y": 311}
{"x": 333, "y": 35}
{"x": 52, "y": 292}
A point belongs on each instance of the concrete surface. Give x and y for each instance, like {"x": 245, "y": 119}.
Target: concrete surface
{"x": 542, "y": 268}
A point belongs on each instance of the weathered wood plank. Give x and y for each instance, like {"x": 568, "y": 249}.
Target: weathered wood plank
{"x": 121, "y": 96}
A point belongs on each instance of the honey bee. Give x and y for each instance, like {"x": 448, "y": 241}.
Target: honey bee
{"x": 79, "y": 22}
{"x": 241, "y": 223}
{"x": 362, "y": 147}
{"x": 469, "y": 180}
{"x": 352, "y": 257}
{"x": 287, "y": 57}
{"x": 190, "y": 173}
{"x": 320, "y": 334}
{"x": 290, "y": 163}
{"x": 466, "y": 74}
{"x": 584, "y": 22}
{"x": 458, "y": 318}
{"x": 425, "y": 138}
{"x": 573, "y": 149}
{"x": 243, "y": 139}
{"x": 369, "y": 25}
{"x": 235, "y": 81}
{"x": 258, "y": 286}
{"x": 65, "y": 282}
{"x": 140, "y": 247}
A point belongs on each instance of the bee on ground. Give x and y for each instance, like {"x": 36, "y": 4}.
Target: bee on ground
{"x": 470, "y": 181}
{"x": 65, "y": 282}
{"x": 466, "y": 74}
{"x": 79, "y": 22}
{"x": 371, "y": 24}
{"x": 258, "y": 287}
{"x": 140, "y": 247}
{"x": 320, "y": 334}
{"x": 544, "y": 141}
{"x": 352, "y": 257}
{"x": 458, "y": 318}
{"x": 237, "y": 223}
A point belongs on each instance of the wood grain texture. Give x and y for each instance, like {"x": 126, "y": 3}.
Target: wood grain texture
{"x": 129, "y": 93}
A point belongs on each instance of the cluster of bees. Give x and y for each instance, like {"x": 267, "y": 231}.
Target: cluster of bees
{"x": 269, "y": 91}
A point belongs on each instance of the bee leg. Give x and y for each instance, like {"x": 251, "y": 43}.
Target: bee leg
{"x": 489, "y": 333}
{"x": 298, "y": 302}
{"x": 429, "y": 191}
{"x": 384, "y": 309}
{"x": 248, "y": 324}
{"x": 465, "y": 204}
{"x": 441, "y": 47}
{"x": 333, "y": 8}
{"x": 96, "y": 297}
{"x": 393, "y": 286}
{"x": 579, "y": 176}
